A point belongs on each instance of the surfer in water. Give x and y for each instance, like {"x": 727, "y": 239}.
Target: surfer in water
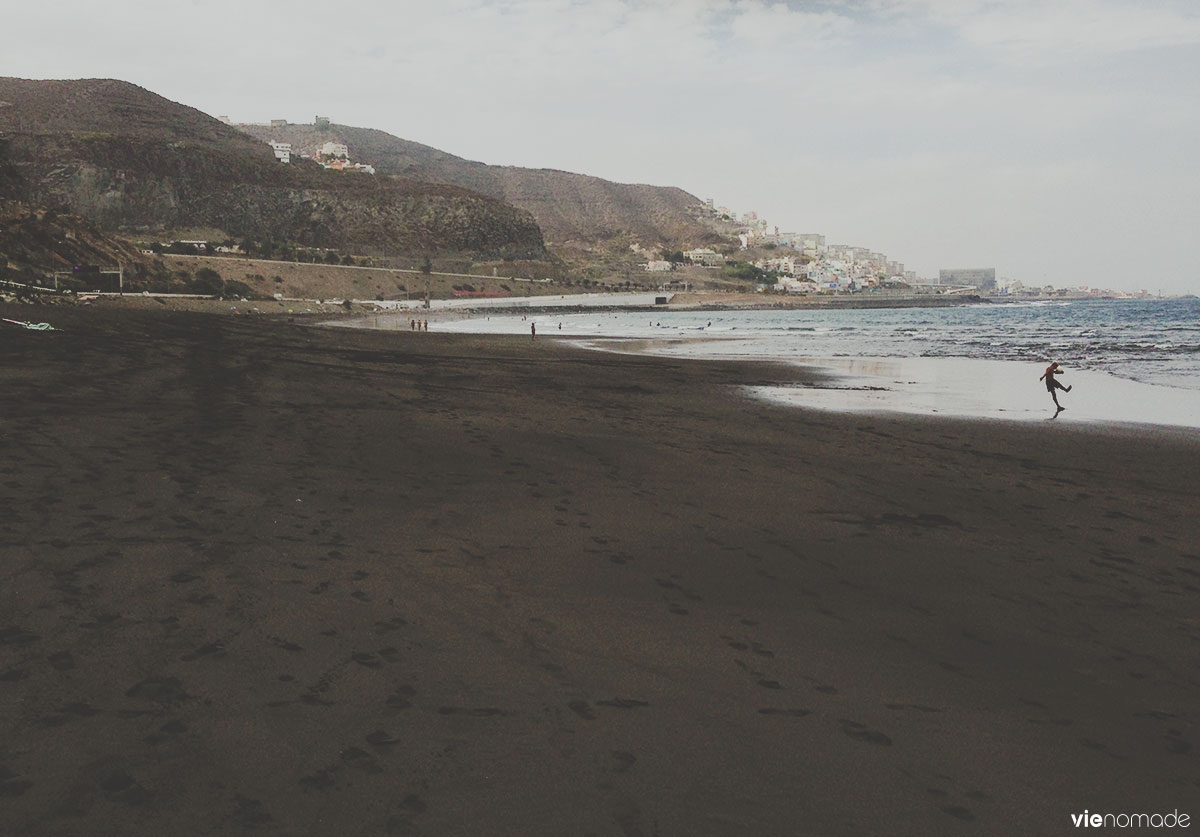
{"x": 1053, "y": 383}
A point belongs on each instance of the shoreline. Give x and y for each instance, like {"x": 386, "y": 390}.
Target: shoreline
{"x": 593, "y": 302}
{"x": 986, "y": 389}
{"x": 884, "y": 384}
{"x": 262, "y": 575}
{"x": 941, "y": 388}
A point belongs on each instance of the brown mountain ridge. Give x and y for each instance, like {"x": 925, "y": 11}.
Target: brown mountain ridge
{"x": 134, "y": 162}
{"x": 571, "y": 209}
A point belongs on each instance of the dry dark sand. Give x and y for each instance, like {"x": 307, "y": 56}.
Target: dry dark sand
{"x": 263, "y": 577}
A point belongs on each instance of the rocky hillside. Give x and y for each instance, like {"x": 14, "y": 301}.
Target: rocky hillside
{"x": 134, "y": 162}
{"x": 570, "y": 208}
{"x": 34, "y": 243}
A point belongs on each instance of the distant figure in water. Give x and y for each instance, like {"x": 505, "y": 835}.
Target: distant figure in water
{"x": 533, "y": 331}
{"x": 1053, "y": 383}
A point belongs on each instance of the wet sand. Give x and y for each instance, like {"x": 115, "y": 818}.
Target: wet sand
{"x": 261, "y": 577}
{"x": 996, "y": 389}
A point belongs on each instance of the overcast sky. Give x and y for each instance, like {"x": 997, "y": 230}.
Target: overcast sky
{"x": 1055, "y": 141}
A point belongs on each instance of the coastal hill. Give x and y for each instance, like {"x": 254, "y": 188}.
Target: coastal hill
{"x": 572, "y": 209}
{"x": 138, "y": 164}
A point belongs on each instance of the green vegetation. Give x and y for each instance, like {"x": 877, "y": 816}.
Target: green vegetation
{"x": 237, "y": 290}
{"x": 747, "y": 272}
{"x": 207, "y": 281}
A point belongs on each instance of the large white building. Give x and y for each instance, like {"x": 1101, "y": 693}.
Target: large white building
{"x": 334, "y": 149}
{"x": 983, "y": 278}
{"x": 787, "y": 265}
{"x": 283, "y": 151}
{"x": 704, "y": 256}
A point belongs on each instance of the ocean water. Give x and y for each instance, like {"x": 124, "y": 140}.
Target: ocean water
{"x": 1152, "y": 341}
{"x": 1129, "y": 360}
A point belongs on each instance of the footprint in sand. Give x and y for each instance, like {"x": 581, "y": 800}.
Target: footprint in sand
{"x": 204, "y": 651}
{"x": 62, "y": 661}
{"x": 860, "y": 731}
{"x": 360, "y": 759}
{"x": 624, "y": 759}
{"x": 12, "y": 785}
{"x": 959, "y": 812}
{"x": 622, "y": 703}
{"x": 582, "y": 709}
{"x": 167, "y": 690}
{"x": 472, "y": 711}
{"x": 401, "y": 698}
{"x": 1176, "y": 743}
{"x": 395, "y": 623}
{"x": 791, "y": 713}
{"x": 380, "y": 738}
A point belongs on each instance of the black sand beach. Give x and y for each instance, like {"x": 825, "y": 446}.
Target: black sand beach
{"x": 261, "y": 577}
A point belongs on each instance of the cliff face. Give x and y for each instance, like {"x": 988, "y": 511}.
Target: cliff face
{"x": 134, "y": 162}
{"x": 570, "y": 208}
{"x": 35, "y": 242}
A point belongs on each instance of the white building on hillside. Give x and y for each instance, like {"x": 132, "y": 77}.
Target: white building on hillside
{"x": 339, "y": 164}
{"x": 791, "y": 265}
{"x": 334, "y": 149}
{"x": 705, "y": 256}
{"x": 283, "y": 151}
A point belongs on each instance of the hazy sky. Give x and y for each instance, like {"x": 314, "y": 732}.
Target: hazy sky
{"x": 1055, "y": 141}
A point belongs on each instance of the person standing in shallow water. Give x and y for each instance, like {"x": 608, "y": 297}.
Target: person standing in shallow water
{"x": 1053, "y": 383}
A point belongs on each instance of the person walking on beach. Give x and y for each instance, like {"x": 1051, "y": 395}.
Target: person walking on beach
{"x": 1053, "y": 383}
{"x": 533, "y": 331}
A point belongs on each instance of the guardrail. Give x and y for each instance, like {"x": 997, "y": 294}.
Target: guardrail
{"x": 355, "y": 267}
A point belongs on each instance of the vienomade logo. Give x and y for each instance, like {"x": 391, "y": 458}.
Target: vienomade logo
{"x": 1172, "y": 820}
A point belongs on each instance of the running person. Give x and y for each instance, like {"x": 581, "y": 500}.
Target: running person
{"x": 1053, "y": 383}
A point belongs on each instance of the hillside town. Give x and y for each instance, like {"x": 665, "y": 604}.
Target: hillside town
{"x": 805, "y": 263}
{"x": 774, "y": 260}
{"x": 330, "y": 155}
